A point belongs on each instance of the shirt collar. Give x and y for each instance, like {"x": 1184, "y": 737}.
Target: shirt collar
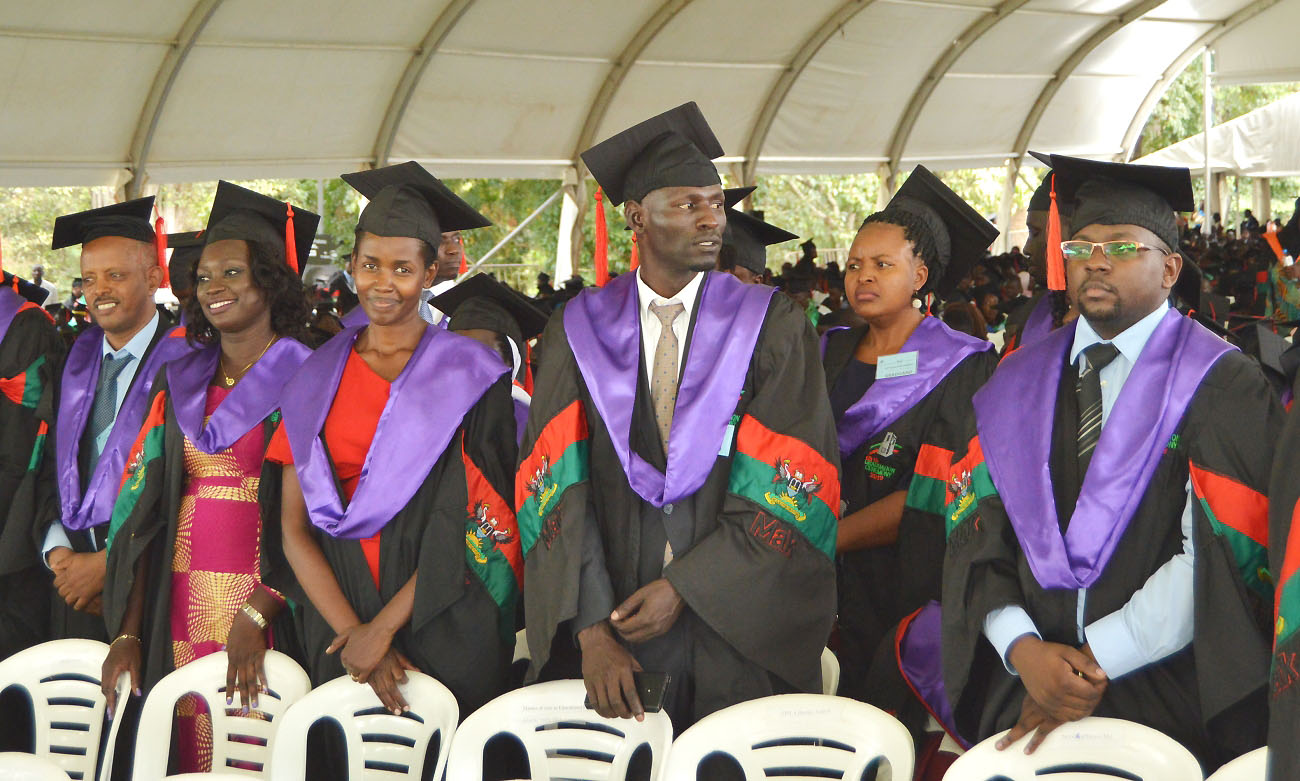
{"x": 686, "y": 296}
{"x": 1129, "y": 342}
{"x": 139, "y": 344}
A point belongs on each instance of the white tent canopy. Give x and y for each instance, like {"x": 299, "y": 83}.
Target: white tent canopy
{"x": 1263, "y": 143}
{"x": 124, "y": 92}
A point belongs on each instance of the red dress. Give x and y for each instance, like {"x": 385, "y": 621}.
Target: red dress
{"x": 349, "y": 429}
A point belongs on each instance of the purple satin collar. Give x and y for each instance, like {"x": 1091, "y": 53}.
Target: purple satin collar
{"x": 251, "y": 401}
{"x": 604, "y": 330}
{"x": 445, "y": 376}
{"x": 1014, "y": 415}
{"x": 358, "y": 317}
{"x": 76, "y": 395}
{"x": 1039, "y": 322}
{"x": 939, "y": 350}
{"x": 920, "y": 659}
{"x": 10, "y": 303}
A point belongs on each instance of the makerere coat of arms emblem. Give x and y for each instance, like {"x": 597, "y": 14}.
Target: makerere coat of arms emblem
{"x": 795, "y": 496}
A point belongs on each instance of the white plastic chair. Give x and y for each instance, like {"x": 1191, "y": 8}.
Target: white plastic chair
{"x": 62, "y": 679}
{"x": 830, "y": 672}
{"x": 563, "y": 737}
{"x": 797, "y": 736}
{"x": 235, "y": 738}
{"x": 1102, "y": 748}
{"x": 1247, "y": 767}
{"x": 16, "y": 766}
{"x": 379, "y": 744}
{"x": 521, "y": 647}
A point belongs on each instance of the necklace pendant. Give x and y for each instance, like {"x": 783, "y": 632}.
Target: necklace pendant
{"x": 230, "y": 383}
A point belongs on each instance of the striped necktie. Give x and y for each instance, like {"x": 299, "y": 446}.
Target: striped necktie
{"x": 104, "y": 410}
{"x": 1095, "y": 358}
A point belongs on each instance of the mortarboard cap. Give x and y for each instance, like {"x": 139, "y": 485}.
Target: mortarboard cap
{"x": 409, "y": 202}
{"x": 747, "y": 238}
{"x": 129, "y": 219}
{"x": 673, "y": 149}
{"x": 240, "y": 213}
{"x": 186, "y": 248}
{"x": 32, "y": 292}
{"x": 1124, "y": 194}
{"x": 961, "y": 234}
{"x": 483, "y": 302}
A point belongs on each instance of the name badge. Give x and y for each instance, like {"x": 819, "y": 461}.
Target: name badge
{"x": 898, "y": 365}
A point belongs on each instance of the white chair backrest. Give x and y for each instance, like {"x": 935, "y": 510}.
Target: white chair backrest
{"x": 830, "y": 672}
{"x": 1247, "y": 767}
{"x": 1098, "y": 747}
{"x": 563, "y": 738}
{"x": 62, "y": 679}
{"x": 16, "y": 766}
{"x": 379, "y": 744}
{"x": 235, "y": 738}
{"x": 521, "y": 647}
{"x": 797, "y": 736}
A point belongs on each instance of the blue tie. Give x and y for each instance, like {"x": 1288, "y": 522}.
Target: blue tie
{"x": 104, "y": 410}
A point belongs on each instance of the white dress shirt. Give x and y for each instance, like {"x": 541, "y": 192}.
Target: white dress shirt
{"x": 137, "y": 347}
{"x": 1157, "y": 620}
{"x": 651, "y": 327}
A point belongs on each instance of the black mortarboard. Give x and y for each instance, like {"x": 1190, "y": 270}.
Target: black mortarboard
{"x": 747, "y": 238}
{"x": 734, "y": 195}
{"x": 1041, "y": 200}
{"x": 961, "y": 234}
{"x": 674, "y": 149}
{"x": 1124, "y": 194}
{"x": 32, "y": 292}
{"x": 129, "y": 219}
{"x": 409, "y": 202}
{"x": 240, "y": 213}
{"x": 186, "y": 249}
{"x": 1289, "y": 235}
{"x": 483, "y": 302}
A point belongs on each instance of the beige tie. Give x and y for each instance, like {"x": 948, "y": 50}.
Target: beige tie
{"x": 663, "y": 383}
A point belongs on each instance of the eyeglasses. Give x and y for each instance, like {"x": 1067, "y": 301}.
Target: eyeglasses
{"x": 1080, "y": 251}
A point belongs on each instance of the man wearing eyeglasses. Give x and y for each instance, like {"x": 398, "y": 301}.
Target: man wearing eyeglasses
{"x": 1108, "y": 522}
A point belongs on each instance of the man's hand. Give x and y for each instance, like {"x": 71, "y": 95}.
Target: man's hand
{"x": 650, "y": 612}
{"x": 607, "y": 669}
{"x": 79, "y": 577}
{"x": 1032, "y": 717}
{"x": 1063, "y": 681}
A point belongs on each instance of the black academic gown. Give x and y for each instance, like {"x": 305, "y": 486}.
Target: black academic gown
{"x": 1284, "y": 563}
{"x": 1016, "y": 320}
{"x": 1209, "y": 696}
{"x": 880, "y": 586}
{"x": 64, "y": 621}
{"x": 148, "y": 532}
{"x": 455, "y": 632}
{"x": 759, "y": 599}
{"x": 29, "y": 354}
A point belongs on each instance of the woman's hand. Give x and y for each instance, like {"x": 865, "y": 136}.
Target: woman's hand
{"x": 123, "y": 657}
{"x": 362, "y": 648}
{"x": 385, "y": 678}
{"x": 246, "y": 655}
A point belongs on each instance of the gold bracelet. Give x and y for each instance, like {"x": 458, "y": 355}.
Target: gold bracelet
{"x": 125, "y": 636}
{"x": 254, "y": 615}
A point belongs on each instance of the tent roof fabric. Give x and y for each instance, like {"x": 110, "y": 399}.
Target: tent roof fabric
{"x": 1265, "y": 142}
{"x": 102, "y": 92}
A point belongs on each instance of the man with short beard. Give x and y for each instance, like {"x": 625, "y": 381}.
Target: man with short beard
{"x": 679, "y": 487}
{"x": 96, "y": 407}
{"x": 1108, "y": 532}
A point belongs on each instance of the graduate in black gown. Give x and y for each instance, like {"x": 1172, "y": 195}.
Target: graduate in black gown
{"x": 679, "y": 489}
{"x": 1107, "y": 537}
{"x": 745, "y": 243}
{"x": 900, "y": 389}
{"x": 30, "y": 350}
{"x": 1049, "y": 307}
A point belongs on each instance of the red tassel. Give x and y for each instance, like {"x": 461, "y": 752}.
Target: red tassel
{"x": 636, "y": 256}
{"x": 528, "y": 368}
{"x": 464, "y": 262}
{"x": 290, "y": 241}
{"x": 1055, "y": 260}
{"x": 601, "y": 260}
{"x": 160, "y": 243}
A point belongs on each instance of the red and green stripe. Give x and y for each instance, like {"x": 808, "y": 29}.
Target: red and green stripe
{"x": 147, "y": 449}
{"x": 928, "y": 491}
{"x": 499, "y": 565}
{"x": 38, "y": 447}
{"x": 558, "y": 460}
{"x": 1286, "y": 610}
{"x": 761, "y": 455}
{"x": 24, "y": 389}
{"x": 960, "y": 506}
{"x": 1239, "y": 515}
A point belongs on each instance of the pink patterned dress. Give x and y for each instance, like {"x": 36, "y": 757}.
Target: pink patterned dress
{"x": 216, "y": 565}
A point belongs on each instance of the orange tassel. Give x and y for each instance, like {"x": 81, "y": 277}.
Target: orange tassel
{"x": 290, "y": 241}
{"x": 601, "y": 259}
{"x": 1055, "y": 260}
{"x": 160, "y": 243}
{"x": 464, "y": 262}
{"x": 528, "y": 368}
{"x": 636, "y": 259}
